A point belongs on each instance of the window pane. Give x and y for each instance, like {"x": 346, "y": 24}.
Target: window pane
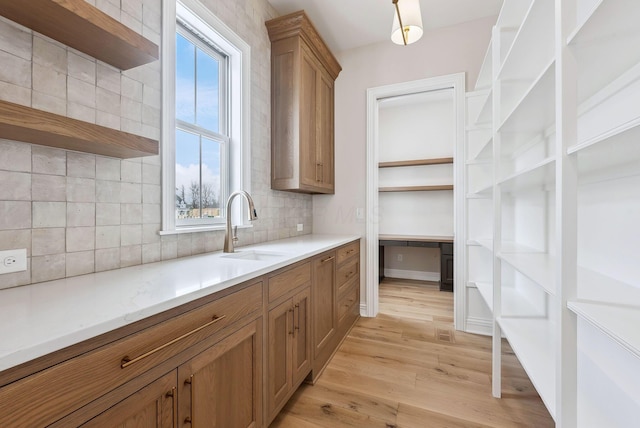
{"x": 187, "y": 175}
{"x": 211, "y": 179}
{"x": 185, "y": 79}
{"x": 207, "y": 100}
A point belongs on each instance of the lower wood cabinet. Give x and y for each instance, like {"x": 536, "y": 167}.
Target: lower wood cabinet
{"x": 154, "y": 406}
{"x": 220, "y": 387}
{"x": 200, "y": 364}
{"x": 289, "y": 346}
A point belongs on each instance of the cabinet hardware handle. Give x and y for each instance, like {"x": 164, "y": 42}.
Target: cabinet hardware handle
{"x": 292, "y": 322}
{"x": 297, "y": 325}
{"x": 170, "y": 393}
{"x": 327, "y": 259}
{"x": 189, "y": 419}
{"x": 350, "y": 251}
{"x": 126, "y": 361}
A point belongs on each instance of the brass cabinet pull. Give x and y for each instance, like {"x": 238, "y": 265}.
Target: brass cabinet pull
{"x": 327, "y": 259}
{"x": 292, "y": 323}
{"x": 126, "y": 361}
{"x": 318, "y": 167}
{"x": 189, "y": 419}
{"x": 297, "y": 324}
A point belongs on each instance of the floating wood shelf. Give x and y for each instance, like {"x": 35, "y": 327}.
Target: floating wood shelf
{"x": 82, "y": 26}
{"x": 417, "y": 162}
{"x": 29, "y": 125}
{"x": 416, "y": 188}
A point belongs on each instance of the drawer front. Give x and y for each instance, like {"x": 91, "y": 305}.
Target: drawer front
{"x": 343, "y": 288}
{"x": 347, "y": 251}
{"x": 347, "y": 272}
{"x": 47, "y": 396}
{"x": 287, "y": 281}
{"x": 447, "y": 248}
{"x": 345, "y": 304}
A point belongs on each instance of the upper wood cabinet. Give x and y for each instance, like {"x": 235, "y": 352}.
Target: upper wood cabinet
{"x": 303, "y": 71}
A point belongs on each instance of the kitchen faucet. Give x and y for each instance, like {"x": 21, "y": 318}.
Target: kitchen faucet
{"x": 228, "y": 243}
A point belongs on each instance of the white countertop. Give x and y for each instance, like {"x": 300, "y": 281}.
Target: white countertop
{"x": 42, "y": 318}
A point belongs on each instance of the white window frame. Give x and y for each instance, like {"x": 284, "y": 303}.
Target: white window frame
{"x": 206, "y": 23}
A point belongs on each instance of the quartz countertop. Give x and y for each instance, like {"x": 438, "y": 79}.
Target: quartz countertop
{"x": 42, "y": 318}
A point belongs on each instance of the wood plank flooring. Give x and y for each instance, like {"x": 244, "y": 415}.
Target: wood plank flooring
{"x": 409, "y": 368}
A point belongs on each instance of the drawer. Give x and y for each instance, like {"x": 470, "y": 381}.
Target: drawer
{"x": 347, "y": 271}
{"x": 46, "y": 396}
{"x": 447, "y": 248}
{"x": 289, "y": 280}
{"x": 347, "y": 251}
{"x": 345, "y": 304}
{"x": 342, "y": 288}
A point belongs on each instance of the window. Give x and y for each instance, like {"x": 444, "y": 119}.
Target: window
{"x": 205, "y": 133}
{"x": 201, "y": 137}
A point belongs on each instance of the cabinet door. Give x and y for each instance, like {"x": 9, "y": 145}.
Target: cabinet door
{"x": 221, "y": 387}
{"x": 152, "y": 406}
{"x": 310, "y": 169}
{"x": 301, "y": 357}
{"x": 325, "y": 317}
{"x": 280, "y": 332}
{"x": 325, "y": 136}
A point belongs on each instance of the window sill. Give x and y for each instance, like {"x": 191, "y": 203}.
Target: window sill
{"x": 195, "y": 229}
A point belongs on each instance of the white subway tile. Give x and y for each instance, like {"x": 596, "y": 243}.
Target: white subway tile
{"x": 16, "y": 186}
{"x": 49, "y": 214}
{"x": 81, "y": 214}
{"x": 47, "y": 241}
{"x": 15, "y": 156}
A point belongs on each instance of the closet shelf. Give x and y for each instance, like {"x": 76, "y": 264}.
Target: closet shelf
{"x": 537, "y": 266}
{"x": 484, "y": 116}
{"x": 512, "y": 14}
{"x": 531, "y": 46}
{"x": 486, "y": 292}
{"x": 609, "y": 28}
{"x": 485, "y": 76}
{"x": 617, "y": 321}
{"x": 541, "y": 175}
{"x": 416, "y": 162}
{"x": 84, "y": 27}
{"x": 534, "y": 114}
{"x": 29, "y": 125}
{"x": 416, "y": 188}
{"x": 532, "y": 340}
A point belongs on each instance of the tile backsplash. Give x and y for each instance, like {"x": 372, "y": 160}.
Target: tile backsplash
{"x": 79, "y": 213}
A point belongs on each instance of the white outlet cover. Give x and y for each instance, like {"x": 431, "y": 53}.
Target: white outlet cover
{"x": 300, "y": 227}
{"x": 20, "y": 263}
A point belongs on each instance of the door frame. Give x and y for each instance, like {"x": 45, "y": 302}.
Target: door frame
{"x": 456, "y": 82}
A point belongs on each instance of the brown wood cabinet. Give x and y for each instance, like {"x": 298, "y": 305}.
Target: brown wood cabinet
{"x": 325, "y": 314}
{"x": 220, "y": 387}
{"x": 336, "y": 301}
{"x": 303, "y": 72}
{"x": 289, "y": 339}
{"x": 153, "y": 406}
{"x": 200, "y": 364}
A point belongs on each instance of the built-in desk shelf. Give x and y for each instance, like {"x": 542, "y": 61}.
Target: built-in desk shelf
{"x": 416, "y": 188}
{"x": 34, "y": 126}
{"x": 84, "y": 27}
{"x": 417, "y": 162}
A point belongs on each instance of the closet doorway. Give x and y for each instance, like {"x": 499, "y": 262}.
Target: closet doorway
{"x": 415, "y": 132}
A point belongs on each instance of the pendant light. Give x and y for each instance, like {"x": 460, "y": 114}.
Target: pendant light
{"x": 407, "y": 22}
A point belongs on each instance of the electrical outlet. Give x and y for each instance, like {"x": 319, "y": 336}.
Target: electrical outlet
{"x": 13, "y": 261}
{"x": 400, "y": 256}
{"x": 300, "y": 227}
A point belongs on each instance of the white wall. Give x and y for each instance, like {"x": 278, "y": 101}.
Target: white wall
{"x": 454, "y": 49}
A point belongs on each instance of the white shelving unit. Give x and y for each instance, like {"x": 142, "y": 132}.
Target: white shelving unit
{"x": 557, "y": 263}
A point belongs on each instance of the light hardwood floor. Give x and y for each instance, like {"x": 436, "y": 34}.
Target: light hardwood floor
{"x": 409, "y": 368}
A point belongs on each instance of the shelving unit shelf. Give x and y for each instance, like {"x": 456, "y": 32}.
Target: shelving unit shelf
{"x": 39, "y": 127}
{"x": 417, "y": 162}
{"x": 416, "y": 188}
{"x": 562, "y": 203}
{"x": 82, "y": 26}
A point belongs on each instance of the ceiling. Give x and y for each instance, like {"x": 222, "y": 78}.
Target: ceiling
{"x": 348, "y": 24}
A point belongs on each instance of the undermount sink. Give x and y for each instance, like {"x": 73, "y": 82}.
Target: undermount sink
{"x": 254, "y": 255}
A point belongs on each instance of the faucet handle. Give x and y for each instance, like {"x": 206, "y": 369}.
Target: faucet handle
{"x": 235, "y": 233}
